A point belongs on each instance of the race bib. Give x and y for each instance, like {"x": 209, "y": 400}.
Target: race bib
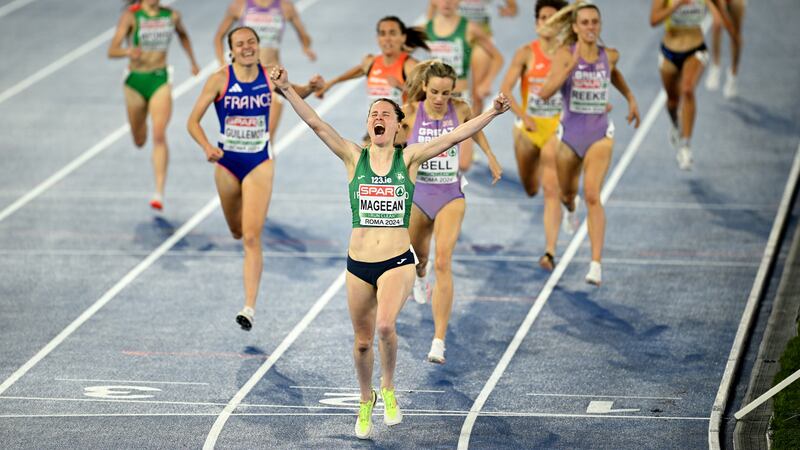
{"x": 155, "y": 34}
{"x": 689, "y": 16}
{"x": 589, "y": 93}
{"x": 441, "y": 169}
{"x": 474, "y": 11}
{"x": 377, "y": 90}
{"x": 267, "y": 26}
{"x": 543, "y": 108}
{"x": 245, "y": 134}
{"x": 449, "y": 52}
{"x": 382, "y": 205}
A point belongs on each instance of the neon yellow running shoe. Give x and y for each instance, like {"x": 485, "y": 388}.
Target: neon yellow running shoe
{"x": 391, "y": 412}
{"x": 364, "y": 421}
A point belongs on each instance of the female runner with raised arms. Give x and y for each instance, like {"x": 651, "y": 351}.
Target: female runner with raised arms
{"x": 380, "y": 264}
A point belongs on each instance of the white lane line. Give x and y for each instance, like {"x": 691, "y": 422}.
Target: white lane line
{"x": 743, "y": 331}
{"x": 327, "y": 410}
{"x": 569, "y": 254}
{"x": 96, "y": 149}
{"x": 131, "y": 381}
{"x": 349, "y": 413}
{"x": 13, "y": 6}
{"x": 536, "y": 394}
{"x": 58, "y": 64}
{"x": 693, "y": 262}
{"x": 325, "y": 198}
{"x": 213, "y": 435}
{"x": 111, "y": 293}
{"x": 109, "y": 400}
{"x": 355, "y": 389}
{"x": 163, "y": 248}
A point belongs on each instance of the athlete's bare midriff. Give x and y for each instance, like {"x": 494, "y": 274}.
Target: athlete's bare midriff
{"x": 378, "y": 244}
{"x": 148, "y": 62}
{"x": 683, "y": 39}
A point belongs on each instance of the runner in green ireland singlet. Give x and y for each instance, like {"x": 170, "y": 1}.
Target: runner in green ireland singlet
{"x": 381, "y": 201}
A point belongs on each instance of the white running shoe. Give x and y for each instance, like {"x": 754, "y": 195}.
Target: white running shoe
{"x": 422, "y": 289}
{"x": 436, "y": 355}
{"x": 595, "y": 274}
{"x": 570, "y": 220}
{"x": 674, "y": 136}
{"x": 684, "y": 158}
{"x": 729, "y": 90}
{"x": 712, "y": 79}
{"x": 245, "y": 318}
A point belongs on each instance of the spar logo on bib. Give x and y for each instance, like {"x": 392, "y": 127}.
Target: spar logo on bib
{"x": 382, "y": 205}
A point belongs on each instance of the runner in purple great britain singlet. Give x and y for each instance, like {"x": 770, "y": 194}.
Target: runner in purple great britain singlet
{"x": 438, "y": 180}
{"x": 584, "y": 119}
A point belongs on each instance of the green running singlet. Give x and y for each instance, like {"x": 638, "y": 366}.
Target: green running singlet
{"x": 153, "y": 33}
{"x": 381, "y": 201}
{"x": 453, "y": 50}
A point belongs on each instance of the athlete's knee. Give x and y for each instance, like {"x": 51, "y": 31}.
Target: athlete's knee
{"x": 237, "y": 234}
{"x": 550, "y": 190}
{"x": 672, "y": 103}
{"x": 531, "y": 188}
{"x": 592, "y": 198}
{"x": 423, "y": 263}
{"x": 687, "y": 91}
{"x": 362, "y": 345}
{"x": 567, "y": 198}
{"x": 251, "y": 239}
{"x": 159, "y": 137}
{"x": 443, "y": 263}
{"x": 386, "y": 328}
{"x": 139, "y": 137}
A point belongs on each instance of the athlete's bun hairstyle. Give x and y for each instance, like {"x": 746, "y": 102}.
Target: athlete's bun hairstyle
{"x": 415, "y": 38}
{"x": 398, "y": 110}
{"x": 556, "y": 4}
{"x": 422, "y": 73}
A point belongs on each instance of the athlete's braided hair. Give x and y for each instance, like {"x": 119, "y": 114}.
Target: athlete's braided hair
{"x": 422, "y": 73}
{"x": 415, "y": 38}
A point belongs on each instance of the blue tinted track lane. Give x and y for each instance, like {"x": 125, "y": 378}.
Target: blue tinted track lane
{"x": 635, "y": 363}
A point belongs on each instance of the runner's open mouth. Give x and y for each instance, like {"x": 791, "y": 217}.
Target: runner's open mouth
{"x": 379, "y": 129}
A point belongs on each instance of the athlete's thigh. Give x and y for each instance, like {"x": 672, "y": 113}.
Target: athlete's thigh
{"x": 670, "y": 77}
{"x": 527, "y": 155}
{"x": 568, "y": 168}
{"x": 161, "y": 107}
{"x": 136, "y": 107}
{"x": 596, "y": 163}
{"x": 256, "y": 193}
{"x": 692, "y": 70}
{"x": 361, "y": 303}
{"x": 737, "y": 8}
{"x": 420, "y": 229}
{"x": 480, "y": 62}
{"x": 447, "y": 226}
{"x": 230, "y": 197}
{"x": 394, "y": 287}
